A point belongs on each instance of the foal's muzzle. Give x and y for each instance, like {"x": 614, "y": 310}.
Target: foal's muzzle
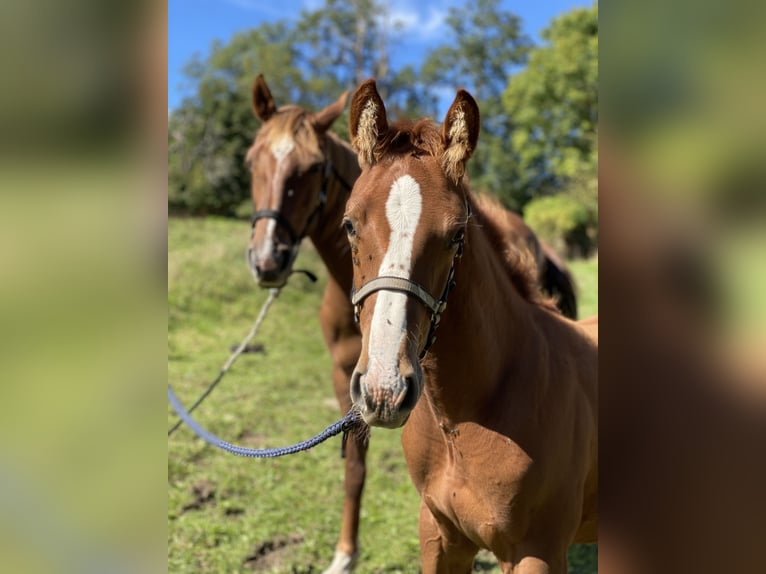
{"x": 386, "y": 403}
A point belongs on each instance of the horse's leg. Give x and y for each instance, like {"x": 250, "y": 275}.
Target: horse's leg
{"x": 344, "y": 342}
{"x": 531, "y": 558}
{"x": 443, "y": 550}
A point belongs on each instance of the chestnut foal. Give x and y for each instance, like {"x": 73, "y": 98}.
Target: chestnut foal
{"x": 501, "y": 410}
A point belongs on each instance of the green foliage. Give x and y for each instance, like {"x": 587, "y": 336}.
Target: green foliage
{"x": 210, "y": 133}
{"x": 539, "y": 130}
{"x": 553, "y": 104}
{"x": 309, "y": 62}
{"x": 583, "y": 559}
{"x": 273, "y": 399}
{"x": 565, "y": 222}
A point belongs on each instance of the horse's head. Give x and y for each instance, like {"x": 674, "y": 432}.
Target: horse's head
{"x": 289, "y": 171}
{"x": 406, "y": 222}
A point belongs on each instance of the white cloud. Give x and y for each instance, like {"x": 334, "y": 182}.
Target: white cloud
{"x": 406, "y": 20}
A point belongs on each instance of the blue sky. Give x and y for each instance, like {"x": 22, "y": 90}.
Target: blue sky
{"x": 194, "y": 24}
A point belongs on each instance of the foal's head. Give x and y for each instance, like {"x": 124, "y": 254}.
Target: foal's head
{"x": 288, "y": 166}
{"x": 406, "y": 222}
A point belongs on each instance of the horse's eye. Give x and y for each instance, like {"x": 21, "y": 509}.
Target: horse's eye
{"x": 349, "y": 227}
{"x": 459, "y": 238}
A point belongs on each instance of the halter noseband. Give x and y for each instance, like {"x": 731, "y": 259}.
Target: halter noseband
{"x": 409, "y": 287}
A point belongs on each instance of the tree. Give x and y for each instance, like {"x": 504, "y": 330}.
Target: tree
{"x": 210, "y": 132}
{"x": 484, "y": 47}
{"x": 345, "y": 42}
{"x": 307, "y": 63}
{"x": 554, "y": 106}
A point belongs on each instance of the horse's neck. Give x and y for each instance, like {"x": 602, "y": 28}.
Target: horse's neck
{"x": 483, "y": 332}
{"x": 328, "y": 236}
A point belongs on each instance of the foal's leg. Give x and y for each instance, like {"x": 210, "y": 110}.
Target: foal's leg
{"x": 536, "y": 559}
{"x": 443, "y": 550}
{"x": 345, "y": 343}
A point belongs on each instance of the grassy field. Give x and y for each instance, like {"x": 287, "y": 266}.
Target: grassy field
{"x": 227, "y": 514}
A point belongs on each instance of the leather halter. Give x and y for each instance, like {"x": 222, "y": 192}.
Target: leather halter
{"x": 409, "y": 287}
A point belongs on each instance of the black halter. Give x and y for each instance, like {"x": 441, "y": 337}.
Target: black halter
{"x": 277, "y": 216}
{"x": 409, "y": 287}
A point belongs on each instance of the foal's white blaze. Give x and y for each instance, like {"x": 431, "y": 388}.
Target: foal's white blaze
{"x": 389, "y": 319}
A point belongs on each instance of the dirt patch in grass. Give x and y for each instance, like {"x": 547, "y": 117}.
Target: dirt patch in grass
{"x": 270, "y": 554}
{"x": 203, "y": 493}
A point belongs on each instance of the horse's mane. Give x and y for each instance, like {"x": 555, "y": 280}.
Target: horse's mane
{"x": 519, "y": 264}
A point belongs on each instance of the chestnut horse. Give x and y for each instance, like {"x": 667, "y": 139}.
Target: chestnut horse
{"x": 301, "y": 178}
{"x": 503, "y": 445}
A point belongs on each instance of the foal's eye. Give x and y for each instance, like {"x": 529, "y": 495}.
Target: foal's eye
{"x": 349, "y": 227}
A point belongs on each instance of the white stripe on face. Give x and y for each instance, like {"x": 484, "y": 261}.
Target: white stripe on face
{"x": 280, "y": 149}
{"x": 389, "y": 318}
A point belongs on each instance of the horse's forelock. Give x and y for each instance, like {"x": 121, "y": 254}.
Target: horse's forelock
{"x": 405, "y": 137}
{"x": 292, "y": 122}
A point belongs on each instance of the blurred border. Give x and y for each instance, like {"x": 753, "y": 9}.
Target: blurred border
{"x": 83, "y": 118}
{"x": 682, "y": 243}
{"x": 82, "y": 304}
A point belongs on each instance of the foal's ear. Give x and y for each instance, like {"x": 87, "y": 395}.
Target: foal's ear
{"x": 263, "y": 102}
{"x": 323, "y": 119}
{"x": 367, "y": 122}
{"x": 460, "y": 133}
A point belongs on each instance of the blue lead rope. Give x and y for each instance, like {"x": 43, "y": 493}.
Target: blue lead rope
{"x": 344, "y": 425}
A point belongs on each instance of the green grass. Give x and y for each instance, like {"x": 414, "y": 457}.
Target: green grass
{"x": 271, "y": 399}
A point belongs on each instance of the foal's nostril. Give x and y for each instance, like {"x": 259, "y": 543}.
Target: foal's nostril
{"x": 411, "y": 394}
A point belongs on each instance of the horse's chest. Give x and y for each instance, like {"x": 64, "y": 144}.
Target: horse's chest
{"x": 482, "y": 494}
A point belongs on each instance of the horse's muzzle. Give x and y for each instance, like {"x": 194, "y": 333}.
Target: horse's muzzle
{"x": 386, "y": 404}
{"x": 270, "y": 269}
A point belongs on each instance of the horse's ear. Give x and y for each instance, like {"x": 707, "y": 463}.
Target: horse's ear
{"x": 460, "y": 133}
{"x": 323, "y": 119}
{"x": 367, "y": 121}
{"x": 263, "y": 102}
